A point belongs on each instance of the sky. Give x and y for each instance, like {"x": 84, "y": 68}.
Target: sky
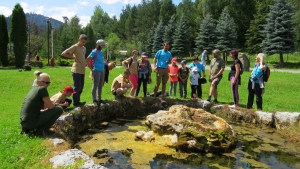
{"x": 56, "y": 9}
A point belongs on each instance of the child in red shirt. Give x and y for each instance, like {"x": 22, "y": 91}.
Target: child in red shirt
{"x": 173, "y": 73}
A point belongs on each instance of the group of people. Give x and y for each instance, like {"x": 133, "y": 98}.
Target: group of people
{"x": 39, "y": 111}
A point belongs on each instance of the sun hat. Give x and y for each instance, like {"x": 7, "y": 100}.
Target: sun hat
{"x": 144, "y": 54}
{"x": 174, "y": 60}
{"x": 195, "y": 69}
{"x": 101, "y": 42}
{"x": 183, "y": 62}
{"x": 69, "y": 89}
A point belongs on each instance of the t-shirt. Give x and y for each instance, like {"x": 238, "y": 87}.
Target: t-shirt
{"x": 183, "y": 73}
{"x": 133, "y": 68}
{"x": 33, "y": 103}
{"x": 203, "y": 56}
{"x": 58, "y": 98}
{"x": 216, "y": 65}
{"x": 162, "y": 57}
{"x": 118, "y": 81}
{"x": 173, "y": 70}
{"x": 79, "y": 52}
{"x": 194, "y": 78}
{"x": 199, "y": 66}
{"x": 99, "y": 62}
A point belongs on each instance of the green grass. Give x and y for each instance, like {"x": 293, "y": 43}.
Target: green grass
{"x": 19, "y": 151}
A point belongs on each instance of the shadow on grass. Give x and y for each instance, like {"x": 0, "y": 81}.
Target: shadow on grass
{"x": 286, "y": 65}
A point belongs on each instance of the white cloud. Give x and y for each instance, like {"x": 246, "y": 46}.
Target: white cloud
{"x": 83, "y": 3}
{"x": 39, "y": 10}
{"x": 122, "y": 1}
{"x": 59, "y": 12}
{"x": 84, "y": 20}
{"x": 25, "y": 7}
{"x": 5, "y": 11}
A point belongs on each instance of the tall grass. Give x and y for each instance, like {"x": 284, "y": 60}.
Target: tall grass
{"x": 19, "y": 151}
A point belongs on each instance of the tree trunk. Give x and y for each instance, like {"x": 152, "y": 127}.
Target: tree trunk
{"x": 281, "y": 59}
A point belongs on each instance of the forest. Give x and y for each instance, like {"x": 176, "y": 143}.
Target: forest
{"x": 252, "y": 26}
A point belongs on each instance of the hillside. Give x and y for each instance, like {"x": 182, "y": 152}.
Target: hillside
{"x": 39, "y": 20}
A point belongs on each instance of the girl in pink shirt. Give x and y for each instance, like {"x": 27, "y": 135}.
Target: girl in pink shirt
{"x": 173, "y": 73}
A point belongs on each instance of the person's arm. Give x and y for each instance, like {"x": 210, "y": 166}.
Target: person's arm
{"x": 48, "y": 103}
{"x": 125, "y": 63}
{"x": 203, "y": 70}
{"x": 237, "y": 72}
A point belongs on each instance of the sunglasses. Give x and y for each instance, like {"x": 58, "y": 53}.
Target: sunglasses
{"x": 46, "y": 82}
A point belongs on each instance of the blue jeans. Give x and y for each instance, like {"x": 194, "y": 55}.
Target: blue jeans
{"x": 78, "y": 80}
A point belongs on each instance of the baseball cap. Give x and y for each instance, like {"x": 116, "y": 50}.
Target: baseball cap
{"x": 144, "y": 54}
{"x": 174, "y": 60}
{"x": 101, "y": 42}
{"x": 183, "y": 62}
{"x": 195, "y": 69}
{"x": 69, "y": 89}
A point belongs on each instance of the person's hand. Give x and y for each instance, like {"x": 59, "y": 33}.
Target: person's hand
{"x": 155, "y": 68}
{"x": 66, "y": 103}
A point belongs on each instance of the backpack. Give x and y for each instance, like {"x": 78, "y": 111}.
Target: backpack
{"x": 241, "y": 67}
{"x": 266, "y": 74}
{"x": 92, "y": 61}
{"x": 131, "y": 59}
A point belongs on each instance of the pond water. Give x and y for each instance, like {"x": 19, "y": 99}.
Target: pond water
{"x": 113, "y": 145}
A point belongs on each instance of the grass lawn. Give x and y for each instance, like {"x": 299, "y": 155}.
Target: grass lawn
{"x": 19, "y": 151}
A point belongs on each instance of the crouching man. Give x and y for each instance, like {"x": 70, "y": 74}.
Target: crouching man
{"x": 38, "y": 112}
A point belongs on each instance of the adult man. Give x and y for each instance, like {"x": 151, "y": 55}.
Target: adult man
{"x": 203, "y": 57}
{"x": 121, "y": 84}
{"x": 38, "y": 112}
{"x": 200, "y": 68}
{"x": 217, "y": 66}
{"x": 77, "y": 52}
{"x": 162, "y": 58}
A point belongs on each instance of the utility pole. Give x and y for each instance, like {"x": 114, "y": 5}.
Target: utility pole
{"x": 52, "y": 31}
{"x": 48, "y": 32}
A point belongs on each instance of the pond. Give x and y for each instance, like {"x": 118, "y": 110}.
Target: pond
{"x": 113, "y": 145}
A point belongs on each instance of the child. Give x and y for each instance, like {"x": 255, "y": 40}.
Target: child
{"x": 60, "y": 99}
{"x": 173, "y": 73}
{"x": 183, "y": 77}
{"x": 36, "y": 73}
{"x": 194, "y": 81}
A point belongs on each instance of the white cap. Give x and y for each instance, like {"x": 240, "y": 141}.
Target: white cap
{"x": 195, "y": 69}
{"x": 101, "y": 42}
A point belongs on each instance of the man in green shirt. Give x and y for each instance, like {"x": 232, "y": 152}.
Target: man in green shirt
{"x": 217, "y": 66}
{"x": 38, "y": 112}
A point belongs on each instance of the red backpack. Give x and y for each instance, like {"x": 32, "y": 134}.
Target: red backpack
{"x": 92, "y": 61}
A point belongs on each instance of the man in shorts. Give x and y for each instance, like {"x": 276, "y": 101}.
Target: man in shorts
{"x": 217, "y": 66}
{"x": 161, "y": 62}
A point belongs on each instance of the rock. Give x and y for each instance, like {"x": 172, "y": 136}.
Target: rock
{"x": 174, "y": 138}
{"x": 145, "y": 136}
{"x": 57, "y": 141}
{"x": 68, "y": 117}
{"x": 265, "y": 118}
{"x": 198, "y": 130}
{"x": 285, "y": 119}
{"x": 221, "y": 106}
{"x": 69, "y": 157}
{"x": 205, "y": 104}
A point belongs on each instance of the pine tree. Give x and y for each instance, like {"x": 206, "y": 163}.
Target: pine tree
{"x": 167, "y": 10}
{"x": 253, "y": 34}
{"x": 158, "y": 38}
{"x": 149, "y": 41}
{"x": 226, "y": 33}
{"x": 278, "y": 32}
{"x": 18, "y": 34}
{"x": 91, "y": 43}
{"x": 4, "y": 41}
{"x": 206, "y": 38}
{"x": 181, "y": 38}
{"x": 169, "y": 31}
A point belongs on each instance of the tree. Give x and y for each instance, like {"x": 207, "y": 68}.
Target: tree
{"x": 253, "y": 35}
{"x": 226, "y": 33}
{"x": 169, "y": 31}
{"x": 149, "y": 41}
{"x": 181, "y": 44}
{"x": 18, "y": 34}
{"x": 167, "y": 10}
{"x": 4, "y": 41}
{"x": 158, "y": 37}
{"x": 113, "y": 47}
{"x": 91, "y": 43}
{"x": 206, "y": 38}
{"x": 278, "y": 32}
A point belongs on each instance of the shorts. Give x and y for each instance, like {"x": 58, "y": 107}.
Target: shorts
{"x": 162, "y": 75}
{"x": 216, "y": 81}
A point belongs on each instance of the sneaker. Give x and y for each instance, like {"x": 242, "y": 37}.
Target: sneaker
{"x": 232, "y": 106}
{"x": 25, "y": 130}
{"x": 209, "y": 99}
{"x": 216, "y": 101}
{"x": 102, "y": 101}
{"x": 96, "y": 102}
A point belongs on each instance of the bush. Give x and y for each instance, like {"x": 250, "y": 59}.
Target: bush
{"x": 36, "y": 64}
